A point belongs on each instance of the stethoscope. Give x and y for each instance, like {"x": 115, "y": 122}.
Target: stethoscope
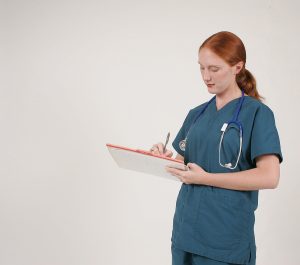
{"x": 182, "y": 143}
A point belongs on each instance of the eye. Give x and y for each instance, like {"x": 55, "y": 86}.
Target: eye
{"x": 215, "y": 69}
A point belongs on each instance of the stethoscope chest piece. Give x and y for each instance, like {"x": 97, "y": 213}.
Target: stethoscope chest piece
{"x": 182, "y": 145}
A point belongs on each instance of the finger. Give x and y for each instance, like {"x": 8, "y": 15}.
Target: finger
{"x": 154, "y": 149}
{"x": 160, "y": 147}
{"x": 180, "y": 178}
{"x": 191, "y": 166}
{"x": 176, "y": 175}
{"x": 168, "y": 153}
{"x": 174, "y": 171}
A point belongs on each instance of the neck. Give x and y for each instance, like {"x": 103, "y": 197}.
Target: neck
{"x": 230, "y": 94}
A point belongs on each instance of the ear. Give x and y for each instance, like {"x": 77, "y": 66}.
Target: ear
{"x": 238, "y": 67}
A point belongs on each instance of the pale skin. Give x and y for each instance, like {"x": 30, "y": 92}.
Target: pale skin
{"x": 216, "y": 71}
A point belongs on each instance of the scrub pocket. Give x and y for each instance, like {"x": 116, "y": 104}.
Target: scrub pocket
{"x": 221, "y": 222}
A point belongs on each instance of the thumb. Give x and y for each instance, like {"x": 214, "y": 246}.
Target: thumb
{"x": 191, "y": 165}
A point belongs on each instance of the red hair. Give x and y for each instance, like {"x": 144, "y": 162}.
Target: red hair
{"x": 231, "y": 49}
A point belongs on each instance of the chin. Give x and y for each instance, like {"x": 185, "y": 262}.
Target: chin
{"x": 212, "y": 90}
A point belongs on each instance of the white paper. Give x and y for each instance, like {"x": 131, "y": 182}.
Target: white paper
{"x": 144, "y": 163}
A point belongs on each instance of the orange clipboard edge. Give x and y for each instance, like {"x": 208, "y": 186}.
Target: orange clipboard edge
{"x": 144, "y": 152}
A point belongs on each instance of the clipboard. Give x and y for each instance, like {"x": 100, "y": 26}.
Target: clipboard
{"x": 144, "y": 161}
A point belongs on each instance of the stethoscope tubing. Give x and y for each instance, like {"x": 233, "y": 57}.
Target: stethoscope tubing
{"x": 182, "y": 143}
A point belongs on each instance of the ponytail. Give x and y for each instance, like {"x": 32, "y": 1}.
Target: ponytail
{"x": 246, "y": 81}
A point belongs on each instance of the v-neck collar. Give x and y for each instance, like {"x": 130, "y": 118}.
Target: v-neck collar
{"x": 229, "y": 103}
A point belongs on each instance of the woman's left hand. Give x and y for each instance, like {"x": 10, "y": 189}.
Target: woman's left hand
{"x": 195, "y": 174}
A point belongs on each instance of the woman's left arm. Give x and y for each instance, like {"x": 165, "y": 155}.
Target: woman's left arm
{"x": 264, "y": 176}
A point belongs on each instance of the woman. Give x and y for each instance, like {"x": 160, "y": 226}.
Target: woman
{"x": 228, "y": 164}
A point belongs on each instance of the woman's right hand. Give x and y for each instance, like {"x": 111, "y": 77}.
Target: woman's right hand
{"x": 157, "y": 149}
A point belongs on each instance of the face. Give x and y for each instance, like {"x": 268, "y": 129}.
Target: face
{"x": 217, "y": 74}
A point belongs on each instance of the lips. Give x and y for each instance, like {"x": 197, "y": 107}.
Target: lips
{"x": 210, "y": 85}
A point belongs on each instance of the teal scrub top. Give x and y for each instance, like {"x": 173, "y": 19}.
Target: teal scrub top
{"x": 215, "y": 222}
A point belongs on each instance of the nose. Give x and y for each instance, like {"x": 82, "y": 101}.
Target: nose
{"x": 206, "y": 76}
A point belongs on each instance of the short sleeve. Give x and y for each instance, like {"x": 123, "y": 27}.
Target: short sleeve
{"x": 265, "y": 138}
{"x": 182, "y": 134}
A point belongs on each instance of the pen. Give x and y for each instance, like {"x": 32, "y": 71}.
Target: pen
{"x": 167, "y": 140}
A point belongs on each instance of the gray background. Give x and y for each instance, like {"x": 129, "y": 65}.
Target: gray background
{"x": 76, "y": 75}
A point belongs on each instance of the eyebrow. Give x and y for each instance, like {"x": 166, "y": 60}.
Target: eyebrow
{"x": 212, "y": 65}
